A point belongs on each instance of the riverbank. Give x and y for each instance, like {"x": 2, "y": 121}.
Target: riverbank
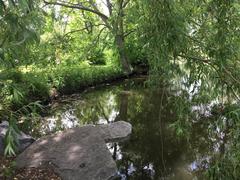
{"x": 25, "y": 85}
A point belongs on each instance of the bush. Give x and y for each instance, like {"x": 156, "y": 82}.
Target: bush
{"x": 74, "y": 78}
{"x": 18, "y": 88}
{"x": 97, "y": 58}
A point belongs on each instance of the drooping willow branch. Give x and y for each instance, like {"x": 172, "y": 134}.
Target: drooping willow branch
{"x": 210, "y": 62}
{"x": 214, "y": 66}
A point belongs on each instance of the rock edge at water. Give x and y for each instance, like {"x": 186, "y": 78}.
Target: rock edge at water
{"x": 78, "y": 153}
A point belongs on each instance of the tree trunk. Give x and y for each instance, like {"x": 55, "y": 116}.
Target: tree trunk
{"x": 118, "y": 31}
{"x": 126, "y": 66}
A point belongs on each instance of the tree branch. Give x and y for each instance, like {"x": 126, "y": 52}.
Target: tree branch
{"x": 79, "y": 30}
{"x": 3, "y": 5}
{"x": 109, "y": 6}
{"x": 206, "y": 61}
{"x": 195, "y": 58}
{"x": 74, "y": 31}
{"x": 77, "y": 6}
{"x": 130, "y": 32}
{"x": 105, "y": 20}
{"x": 98, "y": 36}
{"x": 125, "y": 3}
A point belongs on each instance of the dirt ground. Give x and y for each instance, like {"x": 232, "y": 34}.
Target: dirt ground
{"x": 9, "y": 172}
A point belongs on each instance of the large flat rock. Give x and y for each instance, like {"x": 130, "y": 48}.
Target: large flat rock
{"x": 78, "y": 153}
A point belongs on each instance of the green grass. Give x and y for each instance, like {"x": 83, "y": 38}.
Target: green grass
{"x": 30, "y": 84}
{"x": 74, "y": 78}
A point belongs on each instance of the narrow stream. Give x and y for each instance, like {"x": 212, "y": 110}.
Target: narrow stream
{"x": 162, "y": 146}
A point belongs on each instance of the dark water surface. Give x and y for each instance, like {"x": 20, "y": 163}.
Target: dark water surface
{"x": 162, "y": 146}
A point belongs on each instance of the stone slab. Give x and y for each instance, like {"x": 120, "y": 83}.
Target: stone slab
{"x": 78, "y": 153}
{"x": 116, "y": 132}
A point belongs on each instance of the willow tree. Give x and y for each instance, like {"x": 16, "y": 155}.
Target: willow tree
{"x": 20, "y": 23}
{"x": 202, "y": 35}
{"x": 201, "y": 39}
{"x": 163, "y": 27}
{"x": 111, "y": 13}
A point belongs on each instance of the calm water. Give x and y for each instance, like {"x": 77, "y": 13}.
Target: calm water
{"x": 162, "y": 146}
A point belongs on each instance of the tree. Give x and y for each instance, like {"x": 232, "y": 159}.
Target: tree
{"x": 19, "y": 28}
{"x": 113, "y": 20}
{"x": 20, "y": 23}
{"x": 200, "y": 40}
{"x": 201, "y": 37}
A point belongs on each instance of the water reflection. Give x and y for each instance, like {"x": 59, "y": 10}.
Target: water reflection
{"x": 170, "y": 138}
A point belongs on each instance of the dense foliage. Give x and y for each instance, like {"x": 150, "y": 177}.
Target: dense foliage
{"x": 199, "y": 41}
{"x": 50, "y": 47}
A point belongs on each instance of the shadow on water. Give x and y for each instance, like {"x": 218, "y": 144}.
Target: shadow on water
{"x": 170, "y": 138}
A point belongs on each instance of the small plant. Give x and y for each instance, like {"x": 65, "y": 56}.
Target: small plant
{"x": 11, "y": 140}
{"x": 9, "y": 170}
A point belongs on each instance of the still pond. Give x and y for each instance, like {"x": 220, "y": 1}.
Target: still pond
{"x": 170, "y": 140}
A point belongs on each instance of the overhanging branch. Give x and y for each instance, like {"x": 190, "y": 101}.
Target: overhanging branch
{"x": 126, "y": 3}
{"x": 79, "y": 30}
{"x": 77, "y": 6}
{"x": 74, "y": 31}
{"x": 215, "y": 67}
{"x": 130, "y": 32}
